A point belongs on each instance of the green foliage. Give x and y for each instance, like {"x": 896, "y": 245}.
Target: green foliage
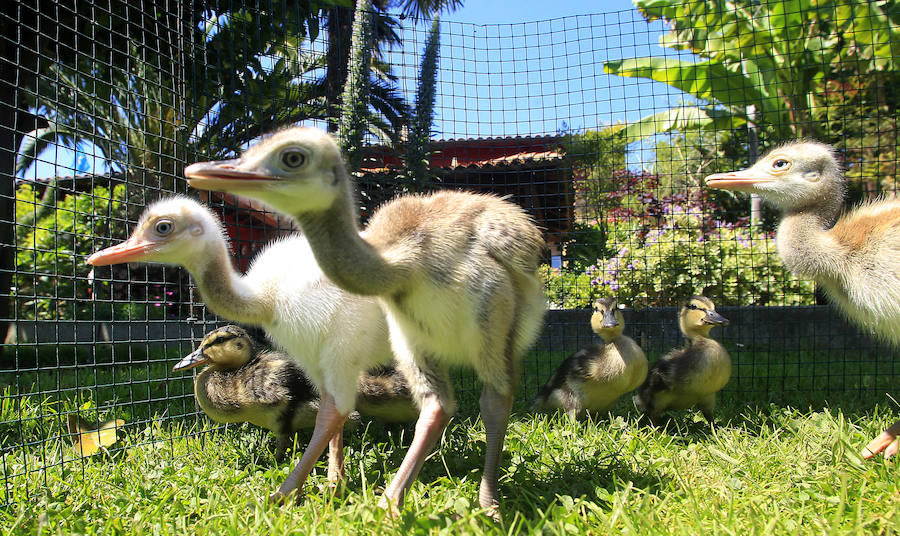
{"x": 423, "y": 118}
{"x": 256, "y": 73}
{"x": 771, "y": 57}
{"x": 587, "y": 243}
{"x": 596, "y": 154}
{"x": 355, "y": 101}
{"x": 567, "y": 289}
{"x": 731, "y": 264}
{"x": 51, "y": 275}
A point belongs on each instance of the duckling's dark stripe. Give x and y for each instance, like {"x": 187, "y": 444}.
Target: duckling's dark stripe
{"x": 219, "y": 340}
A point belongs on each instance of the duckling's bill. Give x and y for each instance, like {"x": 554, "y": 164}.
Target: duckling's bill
{"x": 194, "y": 359}
{"x": 609, "y": 319}
{"x": 715, "y": 319}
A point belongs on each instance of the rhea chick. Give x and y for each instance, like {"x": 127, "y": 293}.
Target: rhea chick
{"x": 853, "y": 256}
{"x": 594, "y": 378}
{"x": 324, "y": 328}
{"x": 689, "y": 376}
{"x": 455, "y": 273}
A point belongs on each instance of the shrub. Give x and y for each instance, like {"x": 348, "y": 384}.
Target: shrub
{"x": 51, "y": 276}
{"x": 567, "y": 289}
{"x": 684, "y": 256}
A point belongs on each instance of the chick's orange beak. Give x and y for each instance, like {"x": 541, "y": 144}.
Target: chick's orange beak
{"x": 741, "y": 181}
{"x": 131, "y": 250}
{"x": 223, "y": 175}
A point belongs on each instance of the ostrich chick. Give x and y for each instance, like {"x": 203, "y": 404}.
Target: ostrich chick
{"x": 689, "y": 376}
{"x": 593, "y": 378}
{"x": 333, "y": 335}
{"x": 455, "y": 273}
{"x": 852, "y": 257}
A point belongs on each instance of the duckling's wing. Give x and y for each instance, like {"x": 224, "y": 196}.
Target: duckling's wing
{"x": 574, "y": 367}
{"x": 662, "y": 374}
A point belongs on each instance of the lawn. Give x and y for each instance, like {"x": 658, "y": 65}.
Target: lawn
{"x": 766, "y": 469}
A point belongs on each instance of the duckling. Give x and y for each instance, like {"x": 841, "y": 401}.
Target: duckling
{"x": 691, "y": 375}
{"x": 593, "y": 378}
{"x": 384, "y": 395}
{"x": 853, "y": 256}
{"x": 269, "y": 389}
{"x": 245, "y": 383}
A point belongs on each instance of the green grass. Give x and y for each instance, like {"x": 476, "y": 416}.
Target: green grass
{"x": 788, "y": 467}
{"x": 765, "y": 470}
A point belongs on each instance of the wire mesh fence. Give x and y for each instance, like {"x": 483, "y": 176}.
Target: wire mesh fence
{"x": 600, "y": 133}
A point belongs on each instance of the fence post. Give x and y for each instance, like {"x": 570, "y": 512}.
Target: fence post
{"x": 753, "y": 136}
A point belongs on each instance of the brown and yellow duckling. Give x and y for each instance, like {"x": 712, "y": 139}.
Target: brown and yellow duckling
{"x": 689, "y": 376}
{"x": 246, "y": 383}
{"x": 594, "y": 378}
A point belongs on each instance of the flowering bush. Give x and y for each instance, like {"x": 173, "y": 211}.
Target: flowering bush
{"x": 657, "y": 250}
{"x": 684, "y": 257}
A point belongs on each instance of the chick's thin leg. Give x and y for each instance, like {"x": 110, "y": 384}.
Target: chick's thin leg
{"x": 886, "y": 442}
{"x": 329, "y": 422}
{"x": 432, "y": 421}
{"x": 495, "y": 408}
{"x": 336, "y": 458}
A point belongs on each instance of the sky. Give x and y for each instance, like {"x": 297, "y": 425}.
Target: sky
{"x": 512, "y": 68}
{"x": 506, "y": 11}
{"x": 536, "y": 67}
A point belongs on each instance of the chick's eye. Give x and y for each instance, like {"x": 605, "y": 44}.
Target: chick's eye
{"x": 164, "y": 227}
{"x": 781, "y": 163}
{"x": 293, "y": 159}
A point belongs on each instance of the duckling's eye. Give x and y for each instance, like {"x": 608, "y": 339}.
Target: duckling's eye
{"x": 293, "y": 159}
{"x": 781, "y": 164}
{"x": 164, "y": 227}
{"x": 239, "y": 345}
{"x": 692, "y": 307}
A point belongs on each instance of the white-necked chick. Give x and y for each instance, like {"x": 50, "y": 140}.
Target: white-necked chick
{"x": 593, "y": 378}
{"x": 334, "y": 335}
{"x": 245, "y": 383}
{"x": 689, "y": 376}
{"x": 853, "y": 256}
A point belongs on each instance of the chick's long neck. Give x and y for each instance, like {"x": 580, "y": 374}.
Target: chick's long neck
{"x": 348, "y": 260}
{"x": 226, "y": 291}
{"x": 804, "y": 244}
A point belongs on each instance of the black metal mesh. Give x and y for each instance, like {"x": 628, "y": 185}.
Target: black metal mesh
{"x": 109, "y": 100}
